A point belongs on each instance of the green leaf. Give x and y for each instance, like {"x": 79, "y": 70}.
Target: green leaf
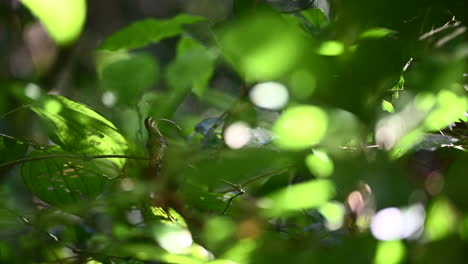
{"x": 375, "y": 33}
{"x": 387, "y": 106}
{"x": 300, "y": 127}
{"x": 319, "y": 164}
{"x": 297, "y": 197}
{"x": 449, "y": 107}
{"x": 192, "y": 68}
{"x": 127, "y": 76}
{"x": 315, "y": 16}
{"x": 64, "y": 182}
{"x": 11, "y": 148}
{"x": 79, "y": 129}
{"x": 256, "y": 53}
{"x": 63, "y": 19}
{"x": 142, "y": 33}
{"x": 151, "y": 252}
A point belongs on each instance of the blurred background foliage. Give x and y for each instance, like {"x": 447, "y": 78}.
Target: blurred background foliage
{"x": 311, "y": 131}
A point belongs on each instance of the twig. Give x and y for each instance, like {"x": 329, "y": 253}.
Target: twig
{"x": 71, "y": 156}
{"x": 236, "y": 186}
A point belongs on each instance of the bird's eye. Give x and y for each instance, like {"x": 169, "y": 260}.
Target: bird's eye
{"x": 149, "y": 122}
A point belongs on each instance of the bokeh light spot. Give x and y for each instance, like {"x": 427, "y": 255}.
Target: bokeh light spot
{"x": 300, "y": 127}
{"x": 237, "y": 135}
{"x": 269, "y": 95}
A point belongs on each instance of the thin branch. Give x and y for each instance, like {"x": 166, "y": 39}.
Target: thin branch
{"x": 71, "y": 156}
{"x": 236, "y": 187}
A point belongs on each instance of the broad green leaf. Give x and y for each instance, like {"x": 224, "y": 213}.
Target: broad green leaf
{"x": 297, "y": 197}
{"x": 127, "y": 76}
{"x": 300, "y": 127}
{"x": 142, "y": 33}
{"x": 65, "y": 182}
{"x": 315, "y": 16}
{"x": 11, "y": 149}
{"x": 63, "y": 19}
{"x": 79, "y": 129}
{"x": 256, "y": 52}
{"x": 192, "y": 68}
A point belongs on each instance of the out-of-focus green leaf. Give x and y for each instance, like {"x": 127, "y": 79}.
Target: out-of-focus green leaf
{"x": 390, "y": 252}
{"x": 64, "y": 182}
{"x": 11, "y": 148}
{"x": 142, "y": 33}
{"x": 315, "y": 16}
{"x": 63, "y": 19}
{"x": 197, "y": 197}
{"x": 192, "y": 68}
{"x": 217, "y": 231}
{"x": 224, "y": 165}
{"x": 449, "y": 107}
{"x": 79, "y": 129}
{"x": 319, "y": 164}
{"x": 152, "y": 252}
{"x": 375, "y": 33}
{"x": 297, "y": 197}
{"x": 128, "y": 76}
{"x": 441, "y": 220}
{"x": 300, "y": 127}
{"x": 331, "y": 48}
{"x": 260, "y": 46}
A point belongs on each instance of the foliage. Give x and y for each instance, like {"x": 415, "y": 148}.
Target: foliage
{"x": 309, "y": 132}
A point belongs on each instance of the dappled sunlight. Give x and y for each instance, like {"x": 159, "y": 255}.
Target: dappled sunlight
{"x": 300, "y": 127}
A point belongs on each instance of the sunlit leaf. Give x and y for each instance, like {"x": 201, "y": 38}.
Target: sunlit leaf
{"x": 173, "y": 237}
{"x": 441, "y": 220}
{"x": 63, "y": 19}
{"x": 449, "y": 107}
{"x": 297, "y": 197}
{"x": 64, "y": 182}
{"x": 390, "y": 252}
{"x": 127, "y": 76}
{"x": 387, "y": 106}
{"x": 79, "y": 129}
{"x": 331, "y": 48}
{"x": 319, "y": 164}
{"x": 334, "y": 212}
{"x": 142, "y": 33}
{"x": 374, "y": 33}
{"x": 300, "y": 127}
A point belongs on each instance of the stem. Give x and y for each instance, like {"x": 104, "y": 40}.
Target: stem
{"x": 71, "y": 156}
